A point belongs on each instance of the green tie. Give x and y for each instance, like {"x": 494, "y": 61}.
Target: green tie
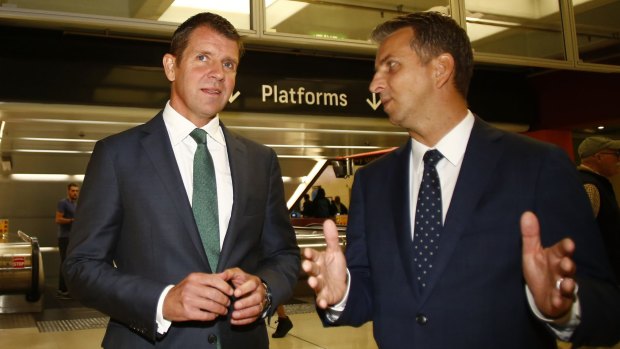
{"x": 204, "y": 199}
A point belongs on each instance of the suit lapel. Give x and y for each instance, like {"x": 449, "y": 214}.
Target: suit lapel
{"x": 156, "y": 144}
{"x": 237, "y": 158}
{"x": 481, "y": 157}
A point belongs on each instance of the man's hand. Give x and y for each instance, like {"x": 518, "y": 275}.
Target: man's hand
{"x": 200, "y": 296}
{"x": 327, "y": 270}
{"x": 549, "y": 271}
{"x": 250, "y": 296}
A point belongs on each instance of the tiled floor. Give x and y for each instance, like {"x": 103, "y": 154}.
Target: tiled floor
{"x": 66, "y": 324}
{"x": 307, "y": 333}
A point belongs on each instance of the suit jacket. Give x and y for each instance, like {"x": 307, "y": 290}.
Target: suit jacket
{"x": 475, "y": 297}
{"x": 135, "y": 234}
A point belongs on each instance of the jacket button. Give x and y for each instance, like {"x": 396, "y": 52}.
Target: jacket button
{"x": 421, "y": 319}
{"x": 212, "y": 338}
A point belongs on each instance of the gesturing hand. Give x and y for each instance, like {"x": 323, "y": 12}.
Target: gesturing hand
{"x": 548, "y": 271}
{"x": 327, "y": 270}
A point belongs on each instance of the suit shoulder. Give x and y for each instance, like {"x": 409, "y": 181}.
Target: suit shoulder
{"x": 248, "y": 143}
{"x": 386, "y": 161}
{"x": 135, "y": 132}
{"x": 528, "y": 145}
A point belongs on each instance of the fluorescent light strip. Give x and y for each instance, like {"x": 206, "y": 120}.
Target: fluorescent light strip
{"x": 324, "y": 146}
{"x": 81, "y": 122}
{"x": 313, "y": 157}
{"x": 317, "y": 130}
{"x": 44, "y": 177}
{"x": 57, "y": 140}
{"x": 49, "y": 151}
{"x": 2, "y": 124}
{"x": 32, "y": 177}
{"x": 302, "y": 186}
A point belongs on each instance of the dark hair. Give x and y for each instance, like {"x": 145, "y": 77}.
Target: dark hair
{"x": 434, "y": 34}
{"x": 72, "y": 185}
{"x": 204, "y": 19}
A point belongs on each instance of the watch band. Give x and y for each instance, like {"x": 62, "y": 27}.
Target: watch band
{"x": 267, "y": 302}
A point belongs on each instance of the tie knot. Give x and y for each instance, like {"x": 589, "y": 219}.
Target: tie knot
{"x": 432, "y": 157}
{"x": 199, "y": 135}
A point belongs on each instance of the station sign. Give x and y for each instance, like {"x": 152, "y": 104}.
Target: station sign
{"x": 302, "y": 96}
{"x": 276, "y": 83}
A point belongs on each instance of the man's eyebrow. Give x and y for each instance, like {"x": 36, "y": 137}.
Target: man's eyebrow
{"x": 383, "y": 60}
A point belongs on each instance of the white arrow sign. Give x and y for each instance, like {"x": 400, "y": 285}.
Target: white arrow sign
{"x": 374, "y": 104}
{"x": 233, "y": 97}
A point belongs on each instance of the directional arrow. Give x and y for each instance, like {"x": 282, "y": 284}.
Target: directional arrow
{"x": 374, "y": 104}
{"x": 233, "y": 97}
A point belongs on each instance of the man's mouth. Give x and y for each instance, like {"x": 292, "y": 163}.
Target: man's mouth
{"x": 211, "y": 91}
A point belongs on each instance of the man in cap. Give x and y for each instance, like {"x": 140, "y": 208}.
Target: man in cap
{"x": 600, "y": 160}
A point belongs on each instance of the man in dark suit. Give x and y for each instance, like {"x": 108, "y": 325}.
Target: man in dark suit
{"x": 137, "y": 252}
{"x": 478, "y": 275}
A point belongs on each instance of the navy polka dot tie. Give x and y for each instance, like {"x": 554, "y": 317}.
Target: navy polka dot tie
{"x": 427, "y": 219}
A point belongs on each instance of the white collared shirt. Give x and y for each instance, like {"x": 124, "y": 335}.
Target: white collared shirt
{"x": 452, "y": 146}
{"x": 184, "y": 148}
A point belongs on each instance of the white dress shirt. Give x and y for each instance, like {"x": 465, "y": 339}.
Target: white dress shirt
{"x": 184, "y": 147}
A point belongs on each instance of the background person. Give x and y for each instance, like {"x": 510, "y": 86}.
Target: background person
{"x": 65, "y": 213}
{"x": 600, "y": 160}
{"x": 284, "y": 323}
{"x": 476, "y": 271}
{"x": 321, "y": 206}
{"x": 338, "y": 207}
{"x": 169, "y": 270}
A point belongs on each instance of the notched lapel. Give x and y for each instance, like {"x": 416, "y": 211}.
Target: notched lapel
{"x": 239, "y": 172}
{"x": 156, "y": 144}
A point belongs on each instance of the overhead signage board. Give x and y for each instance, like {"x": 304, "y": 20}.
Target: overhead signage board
{"x": 297, "y": 96}
{"x": 289, "y": 84}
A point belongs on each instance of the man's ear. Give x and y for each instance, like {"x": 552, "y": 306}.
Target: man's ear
{"x": 443, "y": 66}
{"x": 169, "y": 63}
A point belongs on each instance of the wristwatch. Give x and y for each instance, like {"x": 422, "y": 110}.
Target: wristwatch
{"x": 267, "y": 301}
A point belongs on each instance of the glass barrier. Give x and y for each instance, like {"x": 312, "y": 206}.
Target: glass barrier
{"x": 528, "y": 28}
{"x": 338, "y": 20}
{"x": 175, "y": 11}
{"x": 598, "y": 30}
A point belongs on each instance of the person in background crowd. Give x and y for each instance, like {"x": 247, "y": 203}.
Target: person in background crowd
{"x": 466, "y": 236}
{"x": 322, "y": 207}
{"x": 284, "y": 323}
{"x": 307, "y": 208}
{"x": 600, "y": 160}
{"x": 65, "y": 213}
{"x": 182, "y": 234}
{"x": 338, "y": 207}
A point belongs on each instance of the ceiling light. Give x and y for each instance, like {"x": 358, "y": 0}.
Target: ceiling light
{"x": 37, "y": 177}
{"x": 237, "y": 12}
{"x": 37, "y": 139}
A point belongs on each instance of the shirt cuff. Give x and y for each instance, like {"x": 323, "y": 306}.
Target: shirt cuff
{"x": 333, "y": 313}
{"x": 562, "y": 327}
{"x": 163, "y": 325}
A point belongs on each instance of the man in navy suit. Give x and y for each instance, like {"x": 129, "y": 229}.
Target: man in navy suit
{"x": 136, "y": 253}
{"x": 516, "y": 262}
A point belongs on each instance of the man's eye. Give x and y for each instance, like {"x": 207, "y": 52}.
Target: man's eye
{"x": 392, "y": 65}
{"x": 202, "y": 58}
{"x": 230, "y": 65}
